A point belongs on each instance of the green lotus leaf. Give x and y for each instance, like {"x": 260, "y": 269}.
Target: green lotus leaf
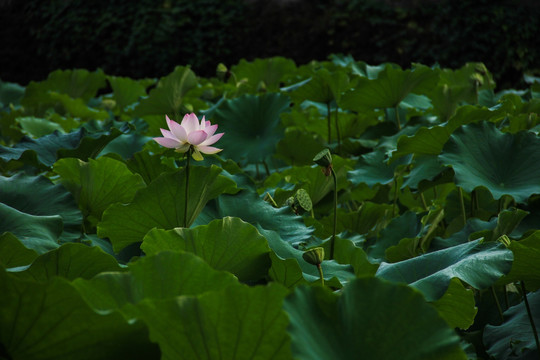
{"x": 238, "y": 322}
{"x": 425, "y": 167}
{"x": 457, "y": 305}
{"x": 506, "y": 164}
{"x": 50, "y": 321}
{"x": 69, "y": 261}
{"x": 37, "y": 127}
{"x": 10, "y": 93}
{"x": 390, "y": 88}
{"x": 345, "y": 252}
{"x": 507, "y": 221}
{"x": 324, "y": 86}
{"x": 297, "y": 147}
{"x": 287, "y": 272}
{"x": 372, "y": 169}
{"x": 268, "y": 71}
{"x": 77, "y": 107}
{"x": 430, "y": 141}
{"x": 161, "y": 205}
{"x": 161, "y": 276}
{"x": 96, "y": 184}
{"x": 514, "y": 339}
{"x": 226, "y": 244}
{"x": 478, "y": 264}
{"x": 44, "y": 152}
{"x": 371, "y": 319}
{"x": 149, "y": 167}
{"x": 526, "y": 265}
{"x": 13, "y": 253}
{"x": 126, "y": 91}
{"x": 252, "y": 126}
{"x": 168, "y": 96}
{"x": 35, "y": 197}
{"x": 405, "y": 226}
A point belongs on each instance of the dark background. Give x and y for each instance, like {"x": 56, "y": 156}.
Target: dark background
{"x": 147, "y": 38}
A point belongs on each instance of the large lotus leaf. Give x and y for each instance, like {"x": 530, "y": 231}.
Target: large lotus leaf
{"x": 38, "y": 127}
{"x": 39, "y": 233}
{"x": 478, "y": 264}
{"x": 161, "y": 276}
{"x": 425, "y": 167}
{"x": 390, "y": 88}
{"x": 252, "y": 126}
{"x": 514, "y": 339}
{"x": 47, "y": 149}
{"x": 162, "y": 205}
{"x": 371, "y": 319}
{"x": 10, "y": 93}
{"x": 226, "y": 244}
{"x": 70, "y": 261}
{"x": 13, "y": 253}
{"x": 297, "y": 148}
{"x": 77, "y": 107}
{"x": 457, "y": 305}
{"x": 239, "y": 322}
{"x": 168, "y": 96}
{"x": 126, "y": 91}
{"x": 526, "y": 265}
{"x": 96, "y": 184}
{"x": 405, "y": 226}
{"x": 149, "y": 167}
{"x": 345, "y": 252}
{"x": 251, "y": 208}
{"x": 37, "y": 196}
{"x": 51, "y": 321}
{"x": 324, "y": 86}
{"x": 507, "y": 221}
{"x": 78, "y": 83}
{"x": 430, "y": 141}
{"x": 372, "y": 169}
{"x": 268, "y": 71}
{"x": 286, "y": 271}
{"x": 506, "y": 164}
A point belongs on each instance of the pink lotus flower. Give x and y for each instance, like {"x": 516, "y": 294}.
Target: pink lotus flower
{"x": 190, "y": 134}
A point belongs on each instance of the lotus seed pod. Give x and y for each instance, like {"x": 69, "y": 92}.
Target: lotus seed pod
{"x": 477, "y": 79}
{"x": 261, "y": 86}
{"x": 222, "y": 71}
{"x": 323, "y": 158}
{"x": 481, "y": 69}
{"x": 314, "y": 256}
{"x": 302, "y": 200}
{"x": 108, "y": 104}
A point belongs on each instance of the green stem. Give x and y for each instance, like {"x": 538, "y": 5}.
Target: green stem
{"x": 321, "y": 274}
{"x": 329, "y": 123}
{"x": 462, "y": 203}
{"x": 499, "y": 309}
{"x": 337, "y": 129}
{"x": 188, "y": 156}
{"x": 396, "y": 109}
{"x": 394, "y": 205}
{"x": 266, "y": 168}
{"x": 423, "y": 201}
{"x": 524, "y": 290}
{"x": 333, "y": 241}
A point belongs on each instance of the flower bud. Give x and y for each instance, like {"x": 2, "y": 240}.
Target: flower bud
{"x": 314, "y": 256}
{"x": 222, "y": 72}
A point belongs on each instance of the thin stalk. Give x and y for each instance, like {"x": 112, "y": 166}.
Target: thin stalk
{"x": 329, "y": 123}
{"x": 396, "y": 109}
{"x": 333, "y": 241}
{"x": 321, "y": 274}
{"x": 423, "y": 201}
{"x": 524, "y": 290}
{"x": 266, "y": 168}
{"x": 499, "y": 309}
{"x": 338, "y": 133}
{"x": 188, "y": 156}
{"x": 394, "y": 205}
{"x": 506, "y": 302}
{"x": 462, "y": 203}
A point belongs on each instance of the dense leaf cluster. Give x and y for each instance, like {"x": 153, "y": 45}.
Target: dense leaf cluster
{"x": 436, "y": 253}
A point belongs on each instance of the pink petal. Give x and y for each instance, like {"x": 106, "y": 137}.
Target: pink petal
{"x": 170, "y": 122}
{"x": 167, "y": 142}
{"x": 168, "y": 134}
{"x": 203, "y": 124}
{"x": 210, "y": 130}
{"x": 197, "y": 137}
{"x": 208, "y": 149}
{"x": 178, "y": 131}
{"x": 212, "y": 139}
{"x": 190, "y": 123}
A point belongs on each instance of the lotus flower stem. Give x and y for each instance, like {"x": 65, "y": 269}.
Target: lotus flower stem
{"x": 524, "y": 290}
{"x": 321, "y": 274}
{"x": 397, "y": 117}
{"x": 423, "y": 201}
{"x": 394, "y": 205}
{"x": 338, "y": 133}
{"x": 462, "y": 203}
{"x": 329, "y": 123}
{"x": 188, "y": 156}
{"x": 499, "y": 309}
{"x": 266, "y": 168}
{"x": 333, "y": 240}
